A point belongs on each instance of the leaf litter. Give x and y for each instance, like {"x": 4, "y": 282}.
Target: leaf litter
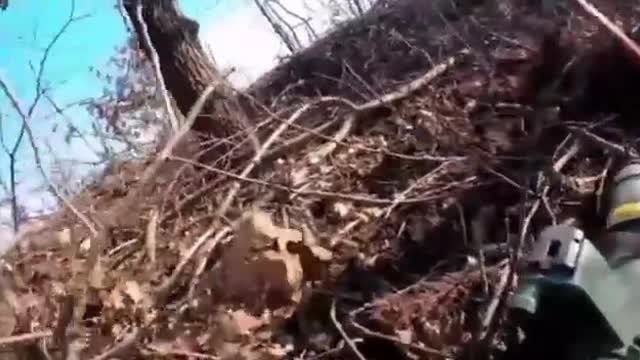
{"x": 359, "y": 249}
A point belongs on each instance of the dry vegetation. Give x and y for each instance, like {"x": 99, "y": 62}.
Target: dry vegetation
{"x": 398, "y": 146}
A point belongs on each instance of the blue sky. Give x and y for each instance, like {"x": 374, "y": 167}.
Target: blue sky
{"x": 234, "y": 30}
{"x": 27, "y": 28}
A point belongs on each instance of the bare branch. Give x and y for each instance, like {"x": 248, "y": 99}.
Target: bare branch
{"x": 285, "y": 23}
{"x": 25, "y": 338}
{"x": 350, "y": 343}
{"x": 290, "y": 43}
{"x": 43, "y": 60}
{"x": 311, "y": 32}
{"x": 615, "y": 30}
{"x": 69, "y": 121}
{"x": 24, "y": 128}
{"x": 156, "y": 66}
{"x": 25, "y": 122}
{"x": 355, "y": 7}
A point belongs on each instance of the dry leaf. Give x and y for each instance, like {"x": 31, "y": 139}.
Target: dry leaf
{"x": 277, "y": 271}
{"x": 405, "y": 336}
{"x": 85, "y": 245}
{"x": 312, "y": 259}
{"x": 115, "y": 299}
{"x": 281, "y": 273}
{"x": 97, "y": 275}
{"x": 307, "y": 235}
{"x": 342, "y": 209}
{"x": 70, "y": 249}
{"x": 299, "y": 176}
{"x": 321, "y": 253}
{"x": 229, "y": 328}
{"x": 375, "y": 212}
{"x": 262, "y": 226}
{"x": 64, "y": 237}
{"x": 245, "y": 323}
{"x": 127, "y": 292}
{"x": 135, "y": 293}
{"x": 275, "y": 351}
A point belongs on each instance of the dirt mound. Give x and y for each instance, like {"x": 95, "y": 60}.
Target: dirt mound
{"x": 400, "y": 145}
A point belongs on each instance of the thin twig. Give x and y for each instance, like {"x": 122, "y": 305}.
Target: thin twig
{"x": 27, "y": 127}
{"x": 263, "y": 150}
{"x": 364, "y": 110}
{"x": 195, "y": 110}
{"x": 490, "y": 320}
{"x": 43, "y": 60}
{"x": 415, "y": 347}
{"x": 615, "y": 30}
{"x": 487, "y": 322}
{"x": 463, "y": 223}
{"x": 603, "y": 143}
{"x": 171, "y": 280}
{"x": 152, "y": 170}
{"x": 23, "y": 338}
{"x": 200, "y": 269}
{"x": 155, "y": 60}
{"x": 181, "y": 353}
{"x": 602, "y": 182}
{"x": 355, "y": 198}
{"x": 479, "y": 238}
{"x": 425, "y": 178}
{"x": 293, "y": 144}
{"x": 317, "y": 132}
{"x": 26, "y": 116}
{"x": 161, "y": 292}
{"x": 415, "y": 85}
{"x": 350, "y": 343}
{"x": 507, "y": 179}
{"x": 116, "y": 351}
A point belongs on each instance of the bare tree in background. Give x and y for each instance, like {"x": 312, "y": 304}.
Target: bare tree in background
{"x": 286, "y": 22}
{"x": 356, "y": 7}
{"x": 289, "y": 38}
{"x": 304, "y": 22}
{"x": 342, "y": 10}
{"x": 26, "y": 115}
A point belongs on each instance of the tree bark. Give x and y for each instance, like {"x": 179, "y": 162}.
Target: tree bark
{"x": 186, "y": 69}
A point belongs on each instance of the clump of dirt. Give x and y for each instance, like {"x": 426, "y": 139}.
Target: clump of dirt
{"x": 365, "y": 215}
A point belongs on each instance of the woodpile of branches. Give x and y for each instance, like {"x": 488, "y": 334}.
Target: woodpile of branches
{"x": 337, "y": 216}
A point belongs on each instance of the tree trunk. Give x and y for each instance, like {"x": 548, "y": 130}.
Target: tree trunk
{"x": 186, "y": 69}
